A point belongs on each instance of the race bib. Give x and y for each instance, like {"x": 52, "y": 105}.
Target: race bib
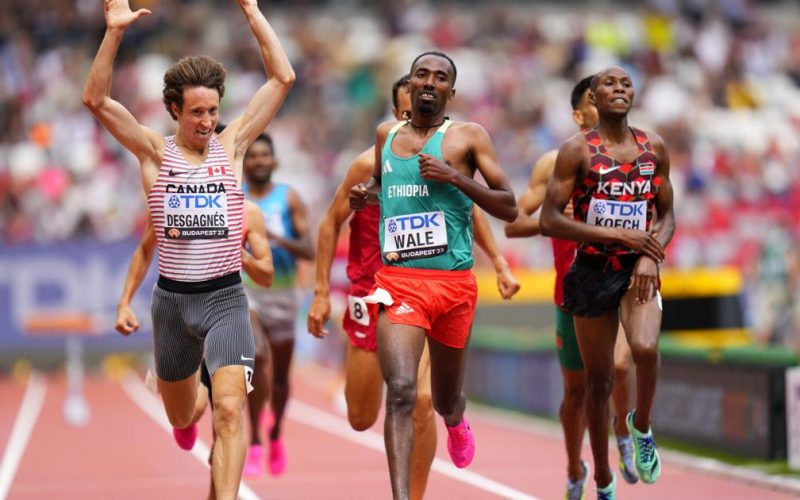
{"x": 414, "y": 236}
{"x": 358, "y": 310}
{"x": 274, "y": 223}
{"x": 194, "y": 216}
{"x": 624, "y": 214}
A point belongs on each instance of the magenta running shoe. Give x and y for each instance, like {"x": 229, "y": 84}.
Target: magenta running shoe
{"x": 277, "y": 457}
{"x": 461, "y": 443}
{"x": 254, "y": 462}
{"x": 185, "y": 437}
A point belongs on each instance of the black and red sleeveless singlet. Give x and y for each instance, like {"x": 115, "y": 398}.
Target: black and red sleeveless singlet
{"x": 615, "y": 194}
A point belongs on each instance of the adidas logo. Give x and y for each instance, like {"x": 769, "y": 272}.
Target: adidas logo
{"x": 387, "y": 167}
{"x": 404, "y": 309}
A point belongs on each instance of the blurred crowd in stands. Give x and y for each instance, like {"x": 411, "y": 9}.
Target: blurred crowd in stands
{"x": 718, "y": 79}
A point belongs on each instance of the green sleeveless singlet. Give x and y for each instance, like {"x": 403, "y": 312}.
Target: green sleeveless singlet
{"x": 424, "y": 224}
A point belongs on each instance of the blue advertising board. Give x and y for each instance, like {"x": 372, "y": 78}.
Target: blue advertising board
{"x": 45, "y": 290}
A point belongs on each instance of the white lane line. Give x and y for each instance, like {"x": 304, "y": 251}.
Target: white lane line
{"x": 28, "y": 414}
{"x": 552, "y": 429}
{"x": 327, "y": 422}
{"x": 150, "y": 404}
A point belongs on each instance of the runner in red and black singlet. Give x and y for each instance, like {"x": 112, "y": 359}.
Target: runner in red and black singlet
{"x": 615, "y": 194}
{"x": 573, "y": 423}
{"x": 617, "y": 178}
{"x": 611, "y": 195}
{"x": 199, "y": 304}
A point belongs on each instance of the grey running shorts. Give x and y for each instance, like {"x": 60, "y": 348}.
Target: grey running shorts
{"x": 276, "y": 311}
{"x": 188, "y": 324}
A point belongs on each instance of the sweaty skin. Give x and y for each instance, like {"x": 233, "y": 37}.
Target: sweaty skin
{"x": 364, "y": 385}
{"x": 196, "y": 119}
{"x": 257, "y": 262}
{"x": 571, "y": 411}
{"x": 260, "y": 164}
{"x": 466, "y": 148}
{"x": 613, "y": 94}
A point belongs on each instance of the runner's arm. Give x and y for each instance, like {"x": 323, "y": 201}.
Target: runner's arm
{"x": 645, "y": 274}
{"x": 368, "y": 192}
{"x": 137, "y": 269}
{"x": 263, "y": 107}
{"x": 531, "y": 200}
{"x": 139, "y": 140}
{"x": 664, "y": 228}
{"x": 327, "y": 239}
{"x": 507, "y": 284}
{"x": 337, "y": 213}
{"x": 257, "y": 263}
{"x": 300, "y": 246}
{"x": 553, "y": 221}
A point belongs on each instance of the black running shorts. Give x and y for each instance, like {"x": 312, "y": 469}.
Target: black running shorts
{"x": 593, "y": 287}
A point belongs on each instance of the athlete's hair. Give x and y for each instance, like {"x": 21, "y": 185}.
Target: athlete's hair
{"x": 403, "y": 81}
{"x": 438, "y": 54}
{"x": 198, "y": 71}
{"x": 578, "y": 91}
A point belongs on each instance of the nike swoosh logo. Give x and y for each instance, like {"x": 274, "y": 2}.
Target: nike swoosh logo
{"x": 604, "y": 170}
{"x": 246, "y": 359}
{"x": 173, "y": 173}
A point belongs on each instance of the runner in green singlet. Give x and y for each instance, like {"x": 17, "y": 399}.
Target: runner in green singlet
{"x": 424, "y": 170}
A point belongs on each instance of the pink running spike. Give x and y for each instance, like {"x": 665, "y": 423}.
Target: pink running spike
{"x": 277, "y": 457}
{"x": 254, "y": 463}
{"x": 185, "y": 437}
{"x": 461, "y": 443}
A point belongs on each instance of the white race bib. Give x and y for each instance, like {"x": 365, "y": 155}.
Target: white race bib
{"x": 414, "y": 236}
{"x": 624, "y": 214}
{"x": 196, "y": 216}
{"x": 274, "y": 223}
{"x": 358, "y": 310}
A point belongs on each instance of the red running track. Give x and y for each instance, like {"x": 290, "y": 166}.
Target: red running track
{"x": 125, "y": 452}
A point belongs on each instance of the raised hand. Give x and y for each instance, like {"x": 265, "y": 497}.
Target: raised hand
{"x": 119, "y": 14}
